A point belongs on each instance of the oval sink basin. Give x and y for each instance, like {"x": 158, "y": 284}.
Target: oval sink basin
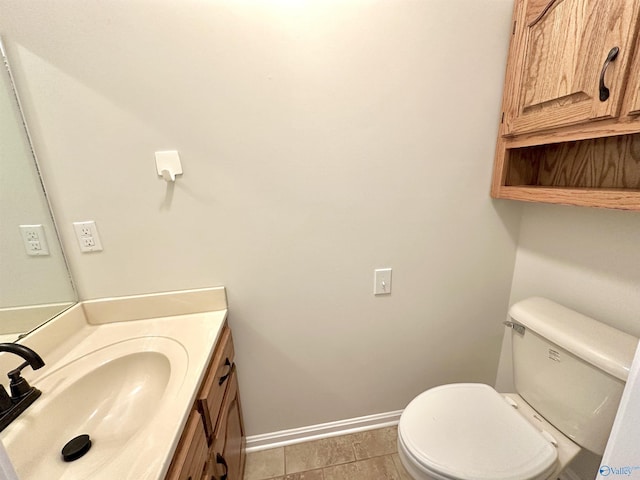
{"x": 111, "y": 394}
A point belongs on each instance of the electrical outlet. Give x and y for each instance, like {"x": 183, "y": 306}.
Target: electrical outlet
{"x": 87, "y": 235}
{"x": 34, "y": 239}
{"x": 88, "y": 242}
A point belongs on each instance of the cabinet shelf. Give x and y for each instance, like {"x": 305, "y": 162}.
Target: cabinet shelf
{"x": 618, "y": 198}
{"x": 598, "y": 172}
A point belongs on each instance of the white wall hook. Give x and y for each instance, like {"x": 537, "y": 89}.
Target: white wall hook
{"x": 168, "y": 175}
{"x": 168, "y": 165}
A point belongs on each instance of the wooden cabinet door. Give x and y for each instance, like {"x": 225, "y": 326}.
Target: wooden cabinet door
{"x": 560, "y": 52}
{"x": 215, "y": 384}
{"x": 189, "y": 461}
{"x": 633, "y": 88}
{"x": 228, "y": 453}
{"x": 635, "y": 105}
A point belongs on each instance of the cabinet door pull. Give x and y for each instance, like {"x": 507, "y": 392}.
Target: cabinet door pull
{"x": 604, "y": 91}
{"x": 220, "y": 459}
{"x": 227, "y": 364}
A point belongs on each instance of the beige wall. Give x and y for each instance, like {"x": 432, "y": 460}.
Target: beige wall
{"x": 319, "y": 140}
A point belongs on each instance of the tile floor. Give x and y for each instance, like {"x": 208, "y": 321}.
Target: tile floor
{"x": 370, "y": 455}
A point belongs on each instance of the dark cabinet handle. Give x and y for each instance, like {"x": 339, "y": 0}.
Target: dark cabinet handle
{"x": 227, "y": 364}
{"x": 604, "y": 91}
{"x": 220, "y": 459}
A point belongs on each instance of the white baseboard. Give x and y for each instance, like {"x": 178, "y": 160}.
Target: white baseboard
{"x": 323, "y": 430}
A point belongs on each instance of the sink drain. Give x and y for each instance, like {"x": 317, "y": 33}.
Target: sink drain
{"x": 76, "y": 448}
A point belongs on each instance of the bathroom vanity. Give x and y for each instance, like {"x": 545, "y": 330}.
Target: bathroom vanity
{"x": 149, "y": 379}
{"x": 212, "y": 445}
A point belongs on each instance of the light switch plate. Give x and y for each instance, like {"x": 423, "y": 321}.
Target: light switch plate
{"x": 382, "y": 281}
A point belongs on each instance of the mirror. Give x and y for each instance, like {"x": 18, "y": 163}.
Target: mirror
{"x": 35, "y": 284}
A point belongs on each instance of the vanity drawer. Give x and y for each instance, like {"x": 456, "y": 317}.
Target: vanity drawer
{"x": 190, "y": 459}
{"x": 216, "y": 381}
{"x": 228, "y": 451}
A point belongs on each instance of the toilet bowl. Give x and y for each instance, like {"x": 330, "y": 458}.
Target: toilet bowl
{"x": 470, "y": 431}
{"x": 569, "y": 374}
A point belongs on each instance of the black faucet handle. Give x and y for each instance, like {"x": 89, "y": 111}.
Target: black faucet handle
{"x": 22, "y": 394}
{"x": 20, "y": 388}
{"x": 16, "y": 372}
{"x": 18, "y": 385}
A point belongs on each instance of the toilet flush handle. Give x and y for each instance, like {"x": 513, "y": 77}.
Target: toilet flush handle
{"x": 516, "y": 326}
{"x": 550, "y": 438}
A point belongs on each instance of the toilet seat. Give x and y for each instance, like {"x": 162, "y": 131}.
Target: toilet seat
{"x": 468, "y": 431}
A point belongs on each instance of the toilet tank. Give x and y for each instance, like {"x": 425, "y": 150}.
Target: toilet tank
{"x": 570, "y": 368}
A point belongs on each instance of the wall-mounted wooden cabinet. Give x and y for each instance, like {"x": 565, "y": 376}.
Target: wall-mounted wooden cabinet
{"x": 570, "y": 129}
{"x": 212, "y": 446}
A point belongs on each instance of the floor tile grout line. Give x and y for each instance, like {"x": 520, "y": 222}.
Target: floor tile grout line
{"x": 322, "y": 469}
{"x": 351, "y": 441}
{"x": 353, "y": 449}
{"x": 389, "y": 454}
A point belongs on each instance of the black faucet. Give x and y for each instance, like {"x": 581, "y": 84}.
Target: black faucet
{"x": 22, "y": 394}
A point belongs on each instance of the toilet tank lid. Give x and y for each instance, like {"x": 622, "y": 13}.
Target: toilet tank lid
{"x": 594, "y": 342}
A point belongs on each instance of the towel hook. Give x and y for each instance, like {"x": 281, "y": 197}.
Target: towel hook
{"x": 168, "y": 165}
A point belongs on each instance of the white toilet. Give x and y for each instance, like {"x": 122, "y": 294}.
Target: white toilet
{"x": 569, "y": 373}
